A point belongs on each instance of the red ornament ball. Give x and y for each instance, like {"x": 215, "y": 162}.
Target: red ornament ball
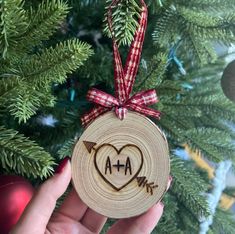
{"x": 15, "y": 193}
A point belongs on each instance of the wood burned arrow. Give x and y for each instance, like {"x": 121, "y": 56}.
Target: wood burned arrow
{"x": 89, "y": 145}
{"x": 143, "y": 182}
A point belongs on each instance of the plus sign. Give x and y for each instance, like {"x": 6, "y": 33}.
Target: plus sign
{"x": 118, "y": 165}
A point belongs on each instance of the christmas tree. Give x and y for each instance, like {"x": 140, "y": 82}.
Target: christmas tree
{"x": 52, "y": 52}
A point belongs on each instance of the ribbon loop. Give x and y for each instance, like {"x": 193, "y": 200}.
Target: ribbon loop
{"x": 133, "y": 58}
{"x": 124, "y": 79}
{"x": 145, "y": 98}
{"x": 101, "y": 98}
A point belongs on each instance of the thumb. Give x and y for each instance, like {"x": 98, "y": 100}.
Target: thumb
{"x": 39, "y": 210}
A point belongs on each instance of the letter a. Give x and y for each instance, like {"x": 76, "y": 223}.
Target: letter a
{"x": 128, "y": 166}
{"x": 108, "y": 166}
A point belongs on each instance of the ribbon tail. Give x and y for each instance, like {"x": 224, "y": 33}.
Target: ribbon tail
{"x": 93, "y": 114}
{"x": 145, "y": 110}
{"x": 133, "y": 58}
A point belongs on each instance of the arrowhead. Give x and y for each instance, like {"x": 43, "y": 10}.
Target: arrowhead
{"x": 89, "y": 145}
{"x": 141, "y": 180}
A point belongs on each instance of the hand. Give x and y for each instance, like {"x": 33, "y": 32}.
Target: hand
{"x": 74, "y": 216}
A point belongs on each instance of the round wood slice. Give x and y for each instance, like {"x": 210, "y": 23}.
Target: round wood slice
{"x": 120, "y": 168}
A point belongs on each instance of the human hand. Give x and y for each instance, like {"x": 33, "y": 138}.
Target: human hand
{"x": 74, "y": 216}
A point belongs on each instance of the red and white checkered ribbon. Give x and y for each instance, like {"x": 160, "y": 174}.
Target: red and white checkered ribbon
{"x": 124, "y": 79}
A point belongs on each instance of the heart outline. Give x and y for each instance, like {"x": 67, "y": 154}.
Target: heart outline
{"x": 118, "y": 152}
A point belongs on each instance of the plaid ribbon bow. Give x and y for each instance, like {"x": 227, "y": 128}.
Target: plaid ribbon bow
{"x": 124, "y": 79}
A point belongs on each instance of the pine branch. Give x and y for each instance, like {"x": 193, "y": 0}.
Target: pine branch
{"x": 197, "y": 29}
{"x": 212, "y": 143}
{"x": 27, "y": 101}
{"x": 13, "y": 24}
{"x": 208, "y": 26}
{"x": 168, "y": 89}
{"x": 30, "y": 85}
{"x": 87, "y": 2}
{"x": 155, "y": 72}
{"x": 6, "y": 85}
{"x": 23, "y": 156}
{"x": 223, "y": 222}
{"x": 53, "y": 64}
{"x": 215, "y": 145}
{"x": 188, "y": 188}
{"x": 188, "y": 222}
{"x": 43, "y": 22}
{"x": 201, "y": 50}
{"x": 167, "y": 20}
{"x": 19, "y": 99}
{"x": 125, "y": 21}
{"x": 168, "y": 221}
{"x": 155, "y": 5}
{"x": 52, "y": 139}
{"x": 26, "y": 104}
{"x": 66, "y": 149}
{"x": 214, "y": 105}
{"x": 211, "y": 4}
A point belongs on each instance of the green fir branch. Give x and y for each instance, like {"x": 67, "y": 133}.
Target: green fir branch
{"x": 22, "y": 101}
{"x": 154, "y": 74}
{"x": 23, "y": 156}
{"x": 188, "y": 222}
{"x": 196, "y": 30}
{"x": 25, "y": 104}
{"x": 167, "y": 20}
{"x": 211, "y": 4}
{"x": 44, "y": 20}
{"x": 53, "y": 64}
{"x": 188, "y": 188}
{"x": 29, "y": 86}
{"x": 13, "y": 23}
{"x": 124, "y": 21}
{"x": 67, "y": 149}
{"x": 169, "y": 219}
{"x": 223, "y": 222}
{"x": 211, "y": 142}
{"x": 6, "y": 85}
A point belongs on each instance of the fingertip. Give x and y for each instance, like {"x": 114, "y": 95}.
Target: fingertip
{"x": 170, "y": 178}
{"x": 62, "y": 165}
{"x": 169, "y": 182}
{"x": 63, "y": 172}
{"x": 157, "y": 210}
{"x": 161, "y": 204}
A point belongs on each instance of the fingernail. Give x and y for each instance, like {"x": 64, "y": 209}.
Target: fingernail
{"x": 169, "y": 182}
{"x": 170, "y": 179}
{"x": 62, "y": 165}
{"x": 161, "y": 204}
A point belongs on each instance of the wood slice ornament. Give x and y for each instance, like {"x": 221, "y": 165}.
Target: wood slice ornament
{"x": 120, "y": 168}
{"x": 120, "y": 165}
